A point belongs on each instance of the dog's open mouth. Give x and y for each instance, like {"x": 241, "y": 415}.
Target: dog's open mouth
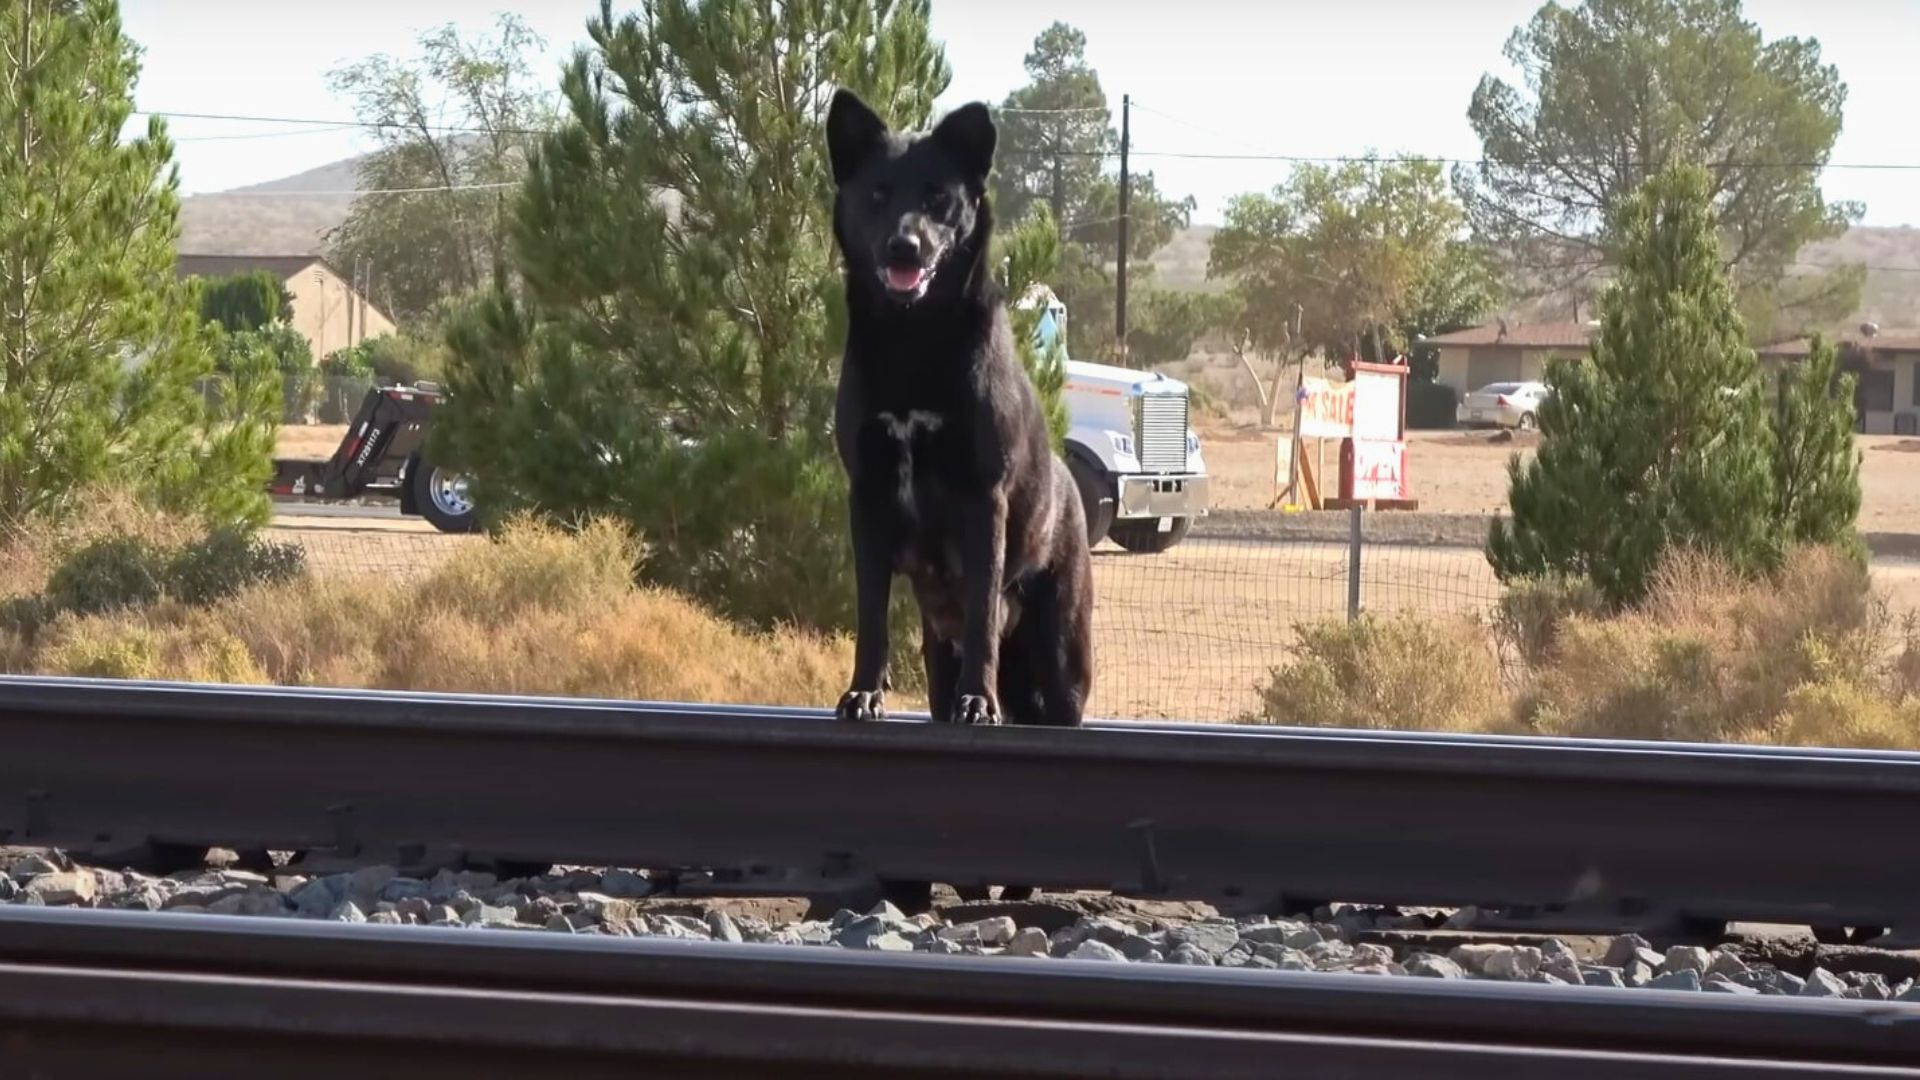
{"x": 907, "y": 282}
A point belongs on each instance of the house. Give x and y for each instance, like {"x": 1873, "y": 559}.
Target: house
{"x": 1506, "y": 350}
{"x": 1886, "y": 367}
{"x": 327, "y": 309}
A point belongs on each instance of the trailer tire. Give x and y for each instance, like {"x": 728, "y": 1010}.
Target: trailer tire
{"x": 1096, "y": 497}
{"x": 1143, "y": 536}
{"x": 440, "y": 495}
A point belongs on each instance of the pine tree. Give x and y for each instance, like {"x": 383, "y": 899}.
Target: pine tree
{"x": 672, "y": 351}
{"x": 1661, "y": 437}
{"x": 1816, "y": 468}
{"x": 1029, "y": 254}
{"x": 101, "y": 346}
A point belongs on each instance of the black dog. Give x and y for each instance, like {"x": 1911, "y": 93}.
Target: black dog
{"x": 954, "y": 482}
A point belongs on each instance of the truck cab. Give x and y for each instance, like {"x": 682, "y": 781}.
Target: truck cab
{"x": 1130, "y": 446}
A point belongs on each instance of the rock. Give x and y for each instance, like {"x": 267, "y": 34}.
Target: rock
{"x": 1240, "y": 955}
{"x": 227, "y": 905}
{"x": 1770, "y": 980}
{"x": 1098, "y": 950}
{"x": 721, "y": 926}
{"x": 685, "y": 927}
{"x": 1427, "y": 965}
{"x": 1514, "y": 963}
{"x": 1284, "y": 956}
{"x": 1053, "y": 913}
{"x": 1139, "y": 947}
{"x": 1474, "y": 958}
{"x": 413, "y": 909}
{"x": 347, "y": 912}
{"x": 404, "y": 888}
{"x": 1563, "y": 967}
{"x": 1555, "y": 947}
{"x": 1637, "y": 972}
{"x": 1624, "y": 948}
{"x": 28, "y": 867}
{"x": 886, "y": 911}
{"x": 370, "y": 881}
{"x": 891, "y": 941}
{"x": 1911, "y": 993}
{"x": 938, "y": 946}
{"x": 1601, "y": 975}
{"x": 1686, "y": 958}
{"x": 1462, "y": 919}
{"x": 1683, "y": 979}
{"x": 142, "y": 897}
{"x": 862, "y": 932}
{"x": 1304, "y": 938}
{"x": 1191, "y": 955}
{"x": 1367, "y": 953}
{"x": 577, "y": 922}
{"x": 994, "y": 932}
{"x": 1031, "y": 941}
{"x": 486, "y": 915}
{"x": 384, "y": 918}
{"x": 8, "y": 889}
{"x": 58, "y": 887}
{"x": 626, "y": 884}
{"x": 441, "y": 914}
{"x": 321, "y": 895}
{"x": 1722, "y": 984}
{"x": 1329, "y": 955}
{"x": 1871, "y": 985}
{"x": 1546, "y": 979}
{"x": 1823, "y": 983}
{"x": 1274, "y": 933}
{"x": 1726, "y": 963}
{"x": 1212, "y": 938}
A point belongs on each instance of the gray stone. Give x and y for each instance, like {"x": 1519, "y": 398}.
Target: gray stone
{"x": 1153, "y": 956}
{"x": 1462, "y": 919}
{"x": 1871, "y": 985}
{"x": 413, "y": 908}
{"x": 1637, "y": 972}
{"x": 1557, "y": 948}
{"x": 1722, "y": 984}
{"x": 1032, "y": 941}
{"x": 189, "y": 909}
{"x": 347, "y": 912}
{"x": 1329, "y": 955}
{"x": 62, "y": 887}
{"x": 1911, "y": 993}
{"x": 1140, "y": 947}
{"x": 891, "y": 941}
{"x": 315, "y": 899}
{"x": 404, "y": 888}
{"x": 32, "y": 866}
{"x": 1683, "y": 979}
{"x": 1190, "y": 954}
{"x": 685, "y": 927}
{"x": 812, "y": 933}
{"x": 8, "y": 888}
{"x": 1726, "y": 963}
{"x": 1601, "y": 975}
{"x": 368, "y": 881}
{"x": 1304, "y": 938}
{"x": 143, "y": 897}
{"x": 862, "y": 932}
{"x": 1283, "y": 956}
{"x": 721, "y": 926}
{"x": 1273, "y": 933}
{"x": 1627, "y": 947}
{"x": 383, "y": 918}
{"x": 938, "y": 946}
{"x": 1098, "y": 950}
{"x": 886, "y": 911}
{"x": 260, "y": 900}
{"x": 992, "y": 933}
{"x": 1770, "y": 980}
{"x": 1474, "y": 958}
{"x": 1686, "y": 958}
{"x": 486, "y": 915}
{"x": 576, "y": 922}
{"x": 1823, "y": 983}
{"x": 441, "y": 914}
{"x": 1563, "y": 967}
{"x": 227, "y": 905}
{"x": 1368, "y": 953}
{"x": 1546, "y": 979}
{"x": 1514, "y": 963}
{"x": 1427, "y": 965}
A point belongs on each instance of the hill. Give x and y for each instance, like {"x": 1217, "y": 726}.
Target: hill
{"x": 277, "y": 218}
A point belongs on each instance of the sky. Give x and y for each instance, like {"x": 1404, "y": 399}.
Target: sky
{"x": 1207, "y": 76}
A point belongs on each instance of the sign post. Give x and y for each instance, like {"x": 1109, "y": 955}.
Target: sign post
{"x": 1368, "y": 414}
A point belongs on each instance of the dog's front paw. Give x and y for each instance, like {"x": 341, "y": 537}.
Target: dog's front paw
{"x": 862, "y": 705}
{"x": 976, "y": 709}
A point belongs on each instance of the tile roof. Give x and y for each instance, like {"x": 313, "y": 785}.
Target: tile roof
{"x": 1882, "y": 341}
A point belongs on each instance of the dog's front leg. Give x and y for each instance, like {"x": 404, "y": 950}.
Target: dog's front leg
{"x": 865, "y": 698}
{"x": 983, "y": 558}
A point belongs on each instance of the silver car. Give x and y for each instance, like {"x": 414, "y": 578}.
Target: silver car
{"x": 1503, "y": 404}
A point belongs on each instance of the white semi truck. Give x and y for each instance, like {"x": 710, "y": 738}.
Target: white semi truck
{"x": 1129, "y": 444}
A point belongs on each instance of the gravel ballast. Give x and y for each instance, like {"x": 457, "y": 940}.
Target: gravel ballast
{"x": 1112, "y": 930}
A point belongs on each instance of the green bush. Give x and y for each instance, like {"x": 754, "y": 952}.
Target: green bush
{"x": 118, "y": 572}
{"x": 1431, "y": 405}
{"x": 247, "y": 301}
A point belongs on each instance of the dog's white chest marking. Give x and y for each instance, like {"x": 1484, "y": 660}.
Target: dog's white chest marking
{"x": 914, "y": 423}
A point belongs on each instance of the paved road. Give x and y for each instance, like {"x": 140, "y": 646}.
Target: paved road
{"x": 374, "y": 517}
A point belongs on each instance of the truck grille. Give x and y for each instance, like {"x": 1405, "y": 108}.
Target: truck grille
{"x": 1160, "y": 431}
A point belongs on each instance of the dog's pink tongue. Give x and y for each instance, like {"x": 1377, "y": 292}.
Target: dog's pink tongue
{"x": 904, "y": 278}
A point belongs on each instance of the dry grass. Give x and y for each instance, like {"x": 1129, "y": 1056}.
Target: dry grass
{"x": 539, "y": 611}
{"x": 1810, "y": 657}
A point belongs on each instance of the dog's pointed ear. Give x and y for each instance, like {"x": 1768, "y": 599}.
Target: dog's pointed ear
{"x": 967, "y": 134}
{"x": 854, "y": 134}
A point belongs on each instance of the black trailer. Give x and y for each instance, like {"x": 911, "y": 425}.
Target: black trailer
{"x": 384, "y": 453}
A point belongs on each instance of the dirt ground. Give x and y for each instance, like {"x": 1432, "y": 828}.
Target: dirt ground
{"x": 1189, "y": 633}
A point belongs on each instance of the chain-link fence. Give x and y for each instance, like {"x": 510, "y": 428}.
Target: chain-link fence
{"x": 1186, "y": 634}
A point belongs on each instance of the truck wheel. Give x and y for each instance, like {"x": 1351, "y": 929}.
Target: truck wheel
{"x": 1143, "y": 536}
{"x": 1096, "y": 497}
{"x": 442, "y": 498}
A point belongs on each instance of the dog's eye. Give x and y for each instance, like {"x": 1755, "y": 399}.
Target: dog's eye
{"x": 881, "y": 195}
{"x": 938, "y": 201}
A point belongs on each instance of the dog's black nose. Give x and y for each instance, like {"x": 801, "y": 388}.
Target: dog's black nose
{"x": 904, "y": 248}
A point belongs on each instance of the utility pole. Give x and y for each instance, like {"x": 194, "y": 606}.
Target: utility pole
{"x": 1120, "y": 266}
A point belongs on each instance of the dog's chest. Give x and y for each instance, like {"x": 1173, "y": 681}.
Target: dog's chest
{"x": 924, "y": 456}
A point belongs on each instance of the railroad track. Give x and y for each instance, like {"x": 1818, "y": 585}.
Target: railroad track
{"x": 1610, "y": 834}
{"x": 97, "y": 993}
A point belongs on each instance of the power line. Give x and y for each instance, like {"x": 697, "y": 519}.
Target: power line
{"x": 373, "y": 125}
{"x": 275, "y": 194}
{"x": 261, "y": 134}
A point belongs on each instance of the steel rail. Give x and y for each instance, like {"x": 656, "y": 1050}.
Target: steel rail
{"x": 118, "y": 993}
{"x": 1263, "y": 815}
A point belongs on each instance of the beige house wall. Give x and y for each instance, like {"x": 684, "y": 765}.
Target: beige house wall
{"x": 326, "y": 312}
{"x": 1453, "y": 365}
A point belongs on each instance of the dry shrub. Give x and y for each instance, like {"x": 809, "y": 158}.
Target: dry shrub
{"x": 539, "y": 610}
{"x": 1531, "y": 612}
{"x": 30, "y": 551}
{"x": 1714, "y": 657}
{"x": 1403, "y": 673}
